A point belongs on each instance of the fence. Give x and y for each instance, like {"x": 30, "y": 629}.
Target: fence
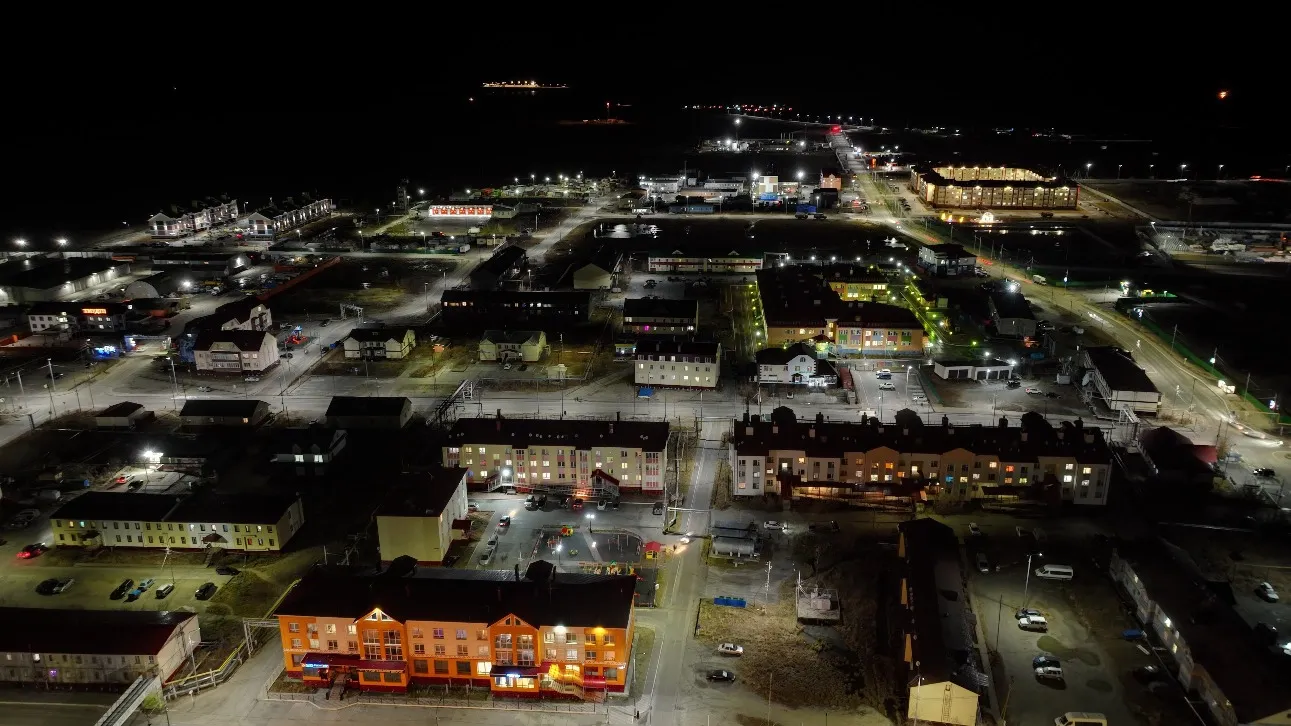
{"x": 199, "y": 681}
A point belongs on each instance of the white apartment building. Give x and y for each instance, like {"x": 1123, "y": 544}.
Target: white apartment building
{"x": 235, "y": 351}
{"x": 53, "y": 648}
{"x": 677, "y": 365}
{"x": 956, "y": 463}
{"x": 559, "y": 455}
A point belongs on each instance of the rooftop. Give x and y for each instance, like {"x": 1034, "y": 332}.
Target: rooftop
{"x": 422, "y": 494}
{"x": 88, "y": 632}
{"x": 1252, "y": 677}
{"x": 367, "y": 405}
{"x": 850, "y": 272}
{"x": 831, "y": 438}
{"x": 521, "y": 433}
{"x": 647, "y": 347}
{"x": 1011, "y": 305}
{"x": 244, "y": 340}
{"x": 870, "y": 314}
{"x": 221, "y": 407}
{"x": 209, "y": 505}
{"x": 606, "y": 258}
{"x": 60, "y": 307}
{"x": 541, "y": 597}
{"x": 379, "y": 335}
{"x": 501, "y": 261}
{"x": 513, "y": 337}
{"x": 645, "y": 308}
{"x": 990, "y": 176}
{"x": 940, "y": 616}
{"x": 782, "y": 356}
{"x": 108, "y": 506}
{"x": 948, "y": 251}
{"x": 124, "y": 408}
{"x": 524, "y": 298}
{"x": 51, "y": 273}
{"x": 1119, "y": 370}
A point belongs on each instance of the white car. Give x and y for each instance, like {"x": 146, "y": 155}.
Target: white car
{"x": 204, "y": 389}
{"x": 730, "y": 649}
{"x": 685, "y": 538}
{"x": 1266, "y": 592}
{"x": 887, "y": 386}
{"x": 774, "y": 525}
{"x": 1033, "y": 391}
{"x": 1052, "y": 672}
{"x": 1034, "y": 622}
{"x": 506, "y": 367}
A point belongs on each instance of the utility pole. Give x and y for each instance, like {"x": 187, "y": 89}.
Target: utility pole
{"x": 53, "y": 387}
{"x": 766, "y": 589}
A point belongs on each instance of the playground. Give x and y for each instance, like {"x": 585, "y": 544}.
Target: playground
{"x": 574, "y": 547}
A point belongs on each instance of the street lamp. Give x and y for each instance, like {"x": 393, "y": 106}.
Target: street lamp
{"x": 801, "y": 174}
{"x": 1088, "y": 166}
{"x": 421, "y": 192}
{"x": 1221, "y": 171}
{"x": 1182, "y": 170}
{"x": 1118, "y": 170}
{"x": 20, "y": 242}
{"x": 63, "y": 240}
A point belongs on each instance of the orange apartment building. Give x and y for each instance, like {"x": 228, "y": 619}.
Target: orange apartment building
{"x": 540, "y": 634}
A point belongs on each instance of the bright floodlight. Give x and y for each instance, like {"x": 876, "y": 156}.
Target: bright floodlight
{"x": 20, "y": 242}
{"x": 62, "y": 240}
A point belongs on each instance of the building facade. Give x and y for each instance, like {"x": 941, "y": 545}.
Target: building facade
{"x": 732, "y": 262}
{"x": 660, "y": 316}
{"x": 559, "y": 455}
{"x": 1118, "y": 380}
{"x": 213, "y": 213}
{"x": 268, "y": 223}
{"x": 797, "y": 365}
{"x": 369, "y": 412}
{"x": 235, "y": 351}
{"x": 990, "y": 187}
{"x": 543, "y": 633}
{"x": 957, "y": 463}
{"x": 1011, "y": 314}
{"x": 487, "y": 307}
{"x": 677, "y": 364}
{"x": 309, "y": 450}
{"x": 246, "y": 522}
{"x": 946, "y": 260}
{"x": 527, "y": 346}
{"x": 380, "y": 343}
{"x": 105, "y": 648}
{"x": 234, "y": 412}
{"x": 77, "y": 317}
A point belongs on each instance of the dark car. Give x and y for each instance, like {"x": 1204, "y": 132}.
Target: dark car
{"x": 830, "y": 526}
{"x": 226, "y": 570}
{"x": 205, "y": 591}
{"x": 1026, "y": 613}
{"x": 46, "y": 587}
{"x": 125, "y": 586}
{"x": 1045, "y": 661}
{"x": 33, "y": 550}
{"x": 1147, "y": 674}
{"x": 1266, "y": 633}
{"x": 721, "y": 676}
{"x": 504, "y": 521}
{"x": 1263, "y": 471}
{"x": 449, "y": 561}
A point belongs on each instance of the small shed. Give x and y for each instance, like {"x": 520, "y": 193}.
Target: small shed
{"x": 652, "y": 550}
{"x": 123, "y": 415}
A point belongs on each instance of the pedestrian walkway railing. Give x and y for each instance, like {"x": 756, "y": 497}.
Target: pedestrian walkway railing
{"x": 200, "y": 681}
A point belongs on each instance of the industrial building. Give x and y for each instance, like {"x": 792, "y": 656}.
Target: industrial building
{"x": 990, "y": 187}
{"x": 207, "y": 264}
{"x": 1118, "y": 380}
{"x": 1011, "y": 314}
{"x": 967, "y": 370}
{"x": 1070, "y": 463}
{"x": 246, "y": 521}
{"x": 674, "y": 364}
{"x": 660, "y": 316}
{"x": 526, "y": 346}
{"x": 122, "y": 415}
{"x": 423, "y": 515}
{"x": 559, "y": 455}
{"x": 731, "y": 262}
{"x": 79, "y": 317}
{"x": 25, "y": 280}
{"x": 57, "y": 649}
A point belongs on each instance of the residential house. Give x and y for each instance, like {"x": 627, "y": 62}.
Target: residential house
{"x": 677, "y": 364}
{"x": 527, "y": 346}
{"x": 122, "y": 415}
{"x": 1011, "y": 314}
{"x": 369, "y": 412}
{"x": 380, "y": 343}
{"x": 852, "y": 281}
{"x": 235, "y": 351}
{"x": 559, "y": 455}
{"x": 868, "y": 328}
{"x": 1070, "y": 463}
{"x": 202, "y": 216}
{"x": 423, "y": 515}
{"x": 56, "y": 649}
{"x": 943, "y": 669}
{"x": 518, "y": 634}
{"x": 795, "y": 364}
{"x": 270, "y": 222}
{"x": 234, "y": 412}
{"x": 309, "y": 450}
{"x": 946, "y": 260}
{"x": 1233, "y": 672}
{"x": 660, "y": 316}
{"x": 246, "y": 521}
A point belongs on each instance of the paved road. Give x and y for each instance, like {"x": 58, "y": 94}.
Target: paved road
{"x": 52, "y": 708}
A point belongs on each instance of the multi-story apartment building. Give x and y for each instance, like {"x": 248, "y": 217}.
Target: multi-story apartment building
{"x": 660, "y": 316}
{"x": 856, "y": 282}
{"x": 866, "y": 328}
{"x": 1070, "y": 463}
{"x": 242, "y": 521}
{"x": 75, "y": 317}
{"x": 529, "y": 309}
{"x": 678, "y": 261}
{"x": 235, "y": 351}
{"x": 802, "y": 304}
{"x": 559, "y": 455}
{"x": 677, "y": 364}
{"x": 211, "y": 213}
{"x": 58, "y": 648}
{"x": 422, "y": 516}
{"x": 519, "y": 635}
{"x": 269, "y": 222}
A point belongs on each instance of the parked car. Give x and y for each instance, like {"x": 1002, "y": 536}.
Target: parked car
{"x": 1267, "y": 634}
{"x": 772, "y": 524}
{"x": 887, "y": 386}
{"x": 487, "y": 557}
{"x": 475, "y": 507}
{"x": 1263, "y": 471}
{"x": 122, "y": 589}
{"x": 983, "y": 565}
{"x": 974, "y": 530}
{"x": 204, "y": 389}
{"x": 720, "y": 676}
{"x": 1026, "y": 613}
{"x": 1147, "y": 674}
{"x": 165, "y": 590}
{"x": 1033, "y": 391}
{"x": 1036, "y": 623}
{"x": 493, "y": 542}
{"x": 830, "y": 526}
{"x": 1266, "y": 592}
{"x": 226, "y": 570}
{"x": 205, "y": 591}
{"x": 1045, "y": 661}
{"x": 504, "y": 522}
{"x": 252, "y": 379}
{"x": 46, "y": 587}
{"x": 1049, "y": 672}
{"x": 33, "y": 550}
{"x": 730, "y": 649}
{"x": 506, "y": 366}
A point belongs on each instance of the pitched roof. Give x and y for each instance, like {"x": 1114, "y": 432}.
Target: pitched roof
{"x": 121, "y": 408}
{"x": 514, "y": 337}
{"x": 221, "y": 407}
{"x": 939, "y": 615}
{"x": 422, "y": 494}
{"x": 646, "y": 307}
{"x": 367, "y": 405}
{"x": 539, "y": 597}
{"x": 380, "y": 335}
{"x": 89, "y": 632}
{"x": 501, "y": 261}
{"x": 606, "y": 258}
{"x": 244, "y": 340}
{"x": 1119, "y": 370}
{"x": 522, "y": 433}
{"x": 782, "y": 356}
